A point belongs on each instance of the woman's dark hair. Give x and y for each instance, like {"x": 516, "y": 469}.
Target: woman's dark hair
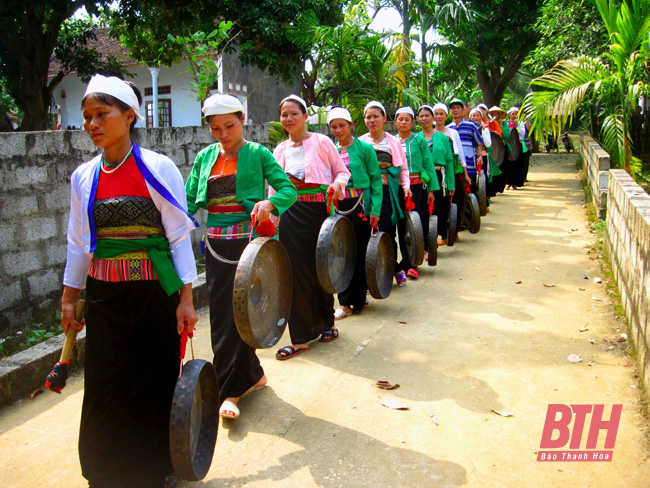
{"x": 425, "y": 108}
{"x": 116, "y": 102}
{"x": 300, "y": 105}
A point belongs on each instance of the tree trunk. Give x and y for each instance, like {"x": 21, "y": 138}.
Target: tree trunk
{"x": 5, "y": 123}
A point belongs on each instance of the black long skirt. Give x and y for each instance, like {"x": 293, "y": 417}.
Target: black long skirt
{"x": 131, "y": 368}
{"x": 385, "y": 221}
{"x": 312, "y": 309}
{"x": 355, "y": 294}
{"x": 441, "y": 208}
{"x": 236, "y": 363}
{"x": 420, "y": 195}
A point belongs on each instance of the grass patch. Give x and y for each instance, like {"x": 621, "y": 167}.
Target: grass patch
{"x": 35, "y": 332}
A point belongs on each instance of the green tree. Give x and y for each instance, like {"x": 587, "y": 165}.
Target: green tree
{"x": 614, "y": 84}
{"x": 567, "y": 29}
{"x": 503, "y": 35}
{"x": 31, "y": 31}
{"x": 264, "y": 28}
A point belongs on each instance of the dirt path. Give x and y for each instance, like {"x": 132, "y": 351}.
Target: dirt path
{"x": 473, "y": 340}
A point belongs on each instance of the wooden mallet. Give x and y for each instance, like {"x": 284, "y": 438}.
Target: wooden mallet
{"x": 57, "y": 378}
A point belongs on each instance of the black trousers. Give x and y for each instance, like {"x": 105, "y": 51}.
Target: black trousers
{"x": 312, "y": 309}
{"x": 355, "y": 294}
{"x": 131, "y": 368}
{"x": 236, "y": 363}
{"x": 441, "y": 207}
{"x": 459, "y": 198}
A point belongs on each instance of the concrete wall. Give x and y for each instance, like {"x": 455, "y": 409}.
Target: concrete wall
{"x": 628, "y": 243}
{"x": 35, "y": 169}
{"x": 596, "y": 162}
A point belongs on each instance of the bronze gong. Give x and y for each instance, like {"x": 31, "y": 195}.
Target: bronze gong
{"x": 432, "y": 259}
{"x": 472, "y": 217}
{"x": 414, "y": 238}
{"x": 380, "y": 264}
{"x": 262, "y": 290}
{"x": 336, "y": 254}
{"x": 452, "y": 223}
{"x": 497, "y": 149}
{"x": 515, "y": 144}
{"x": 194, "y": 420}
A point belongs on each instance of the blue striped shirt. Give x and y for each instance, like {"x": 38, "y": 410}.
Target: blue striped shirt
{"x": 471, "y": 138}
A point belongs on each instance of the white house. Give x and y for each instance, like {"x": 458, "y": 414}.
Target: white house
{"x": 260, "y": 93}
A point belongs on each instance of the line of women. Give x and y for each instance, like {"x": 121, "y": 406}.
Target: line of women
{"x": 129, "y": 246}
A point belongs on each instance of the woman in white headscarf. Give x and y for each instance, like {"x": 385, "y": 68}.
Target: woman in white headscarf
{"x": 129, "y": 247}
{"x": 313, "y": 164}
{"x": 228, "y": 180}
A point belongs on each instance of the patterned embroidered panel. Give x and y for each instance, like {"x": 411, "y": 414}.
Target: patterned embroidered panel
{"x": 230, "y": 232}
{"x": 222, "y": 195}
{"x": 385, "y": 159}
{"x": 127, "y": 211}
{"x": 126, "y": 217}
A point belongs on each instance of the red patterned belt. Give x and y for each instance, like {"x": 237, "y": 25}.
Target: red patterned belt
{"x": 415, "y": 180}
{"x": 317, "y": 197}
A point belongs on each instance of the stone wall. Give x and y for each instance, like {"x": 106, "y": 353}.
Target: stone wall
{"x": 628, "y": 243}
{"x": 596, "y": 163}
{"x": 35, "y": 169}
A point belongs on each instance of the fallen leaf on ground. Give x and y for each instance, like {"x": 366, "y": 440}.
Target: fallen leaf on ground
{"x": 537, "y": 268}
{"x": 400, "y": 321}
{"x": 623, "y": 338}
{"x": 609, "y": 348}
{"x": 596, "y": 298}
{"x": 574, "y": 358}
{"x": 518, "y": 282}
{"x": 435, "y": 420}
{"x": 592, "y": 341}
{"x": 597, "y": 280}
{"x": 394, "y": 404}
{"x": 591, "y": 363}
{"x": 548, "y": 286}
{"x": 573, "y": 230}
{"x": 584, "y": 328}
{"x": 503, "y": 414}
{"x": 36, "y": 392}
{"x": 385, "y": 385}
{"x": 586, "y": 277}
{"x": 581, "y": 289}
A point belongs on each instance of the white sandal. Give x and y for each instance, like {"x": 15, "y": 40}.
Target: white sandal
{"x": 341, "y": 314}
{"x": 229, "y": 406}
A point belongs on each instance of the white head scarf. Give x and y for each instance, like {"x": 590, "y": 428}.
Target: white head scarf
{"x": 338, "y": 113}
{"x": 405, "y": 110}
{"x": 295, "y": 98}
{"x": 428, "y": 107}
{"x": 482, "y": 106}
{"x": 374, "y": 104}
{"x": 513, "y": 109}
{"x": 117, "y": 88}
{"x": 477, "y": 111}
{"x": 441, "y": 106}
{"x": 220, "y": 104}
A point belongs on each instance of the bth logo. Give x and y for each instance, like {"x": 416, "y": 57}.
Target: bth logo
{"x": 558, "y": 419}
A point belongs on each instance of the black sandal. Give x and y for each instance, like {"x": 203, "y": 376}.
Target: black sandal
{"x": 329, "y": 335}
{"x": 289, "y": 352}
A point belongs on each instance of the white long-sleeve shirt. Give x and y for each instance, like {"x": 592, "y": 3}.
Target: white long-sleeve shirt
{"x": 167, "y": 190}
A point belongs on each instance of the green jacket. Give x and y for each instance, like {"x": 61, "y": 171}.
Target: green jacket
{"x": 420, "y": 160}
{"x": 443, "y": 156}
{"x": 366, "y": 175}
{"x": 255, "y": 164}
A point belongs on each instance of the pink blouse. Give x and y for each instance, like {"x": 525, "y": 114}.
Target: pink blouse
{"x": 399, "y": 157}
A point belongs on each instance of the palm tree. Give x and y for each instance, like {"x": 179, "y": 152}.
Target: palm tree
{"x": 613, "y": 85}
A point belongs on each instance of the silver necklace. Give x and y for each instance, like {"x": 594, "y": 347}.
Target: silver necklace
{"x": 114, "y": 169}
